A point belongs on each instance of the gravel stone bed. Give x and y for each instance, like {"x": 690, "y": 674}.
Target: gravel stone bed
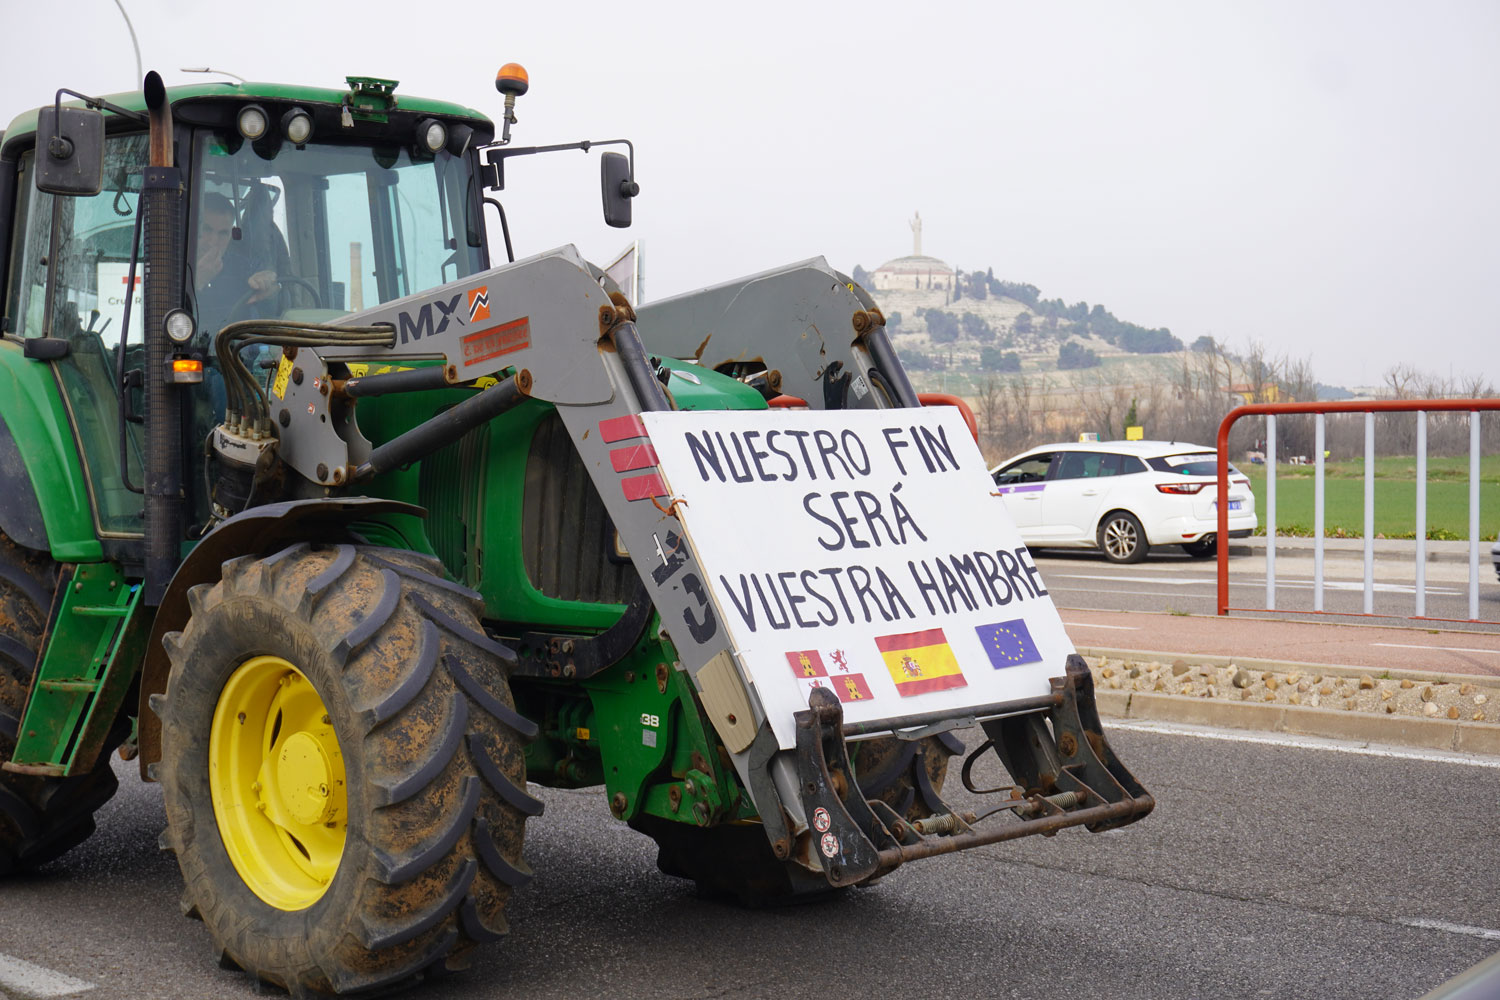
{"x": 1313, "y": 687}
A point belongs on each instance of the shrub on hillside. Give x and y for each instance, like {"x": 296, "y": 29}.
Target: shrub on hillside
{"x": 1074, "y": 355}
{"x": 992, "y": 359}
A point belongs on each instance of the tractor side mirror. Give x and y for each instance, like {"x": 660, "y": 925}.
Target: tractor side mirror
{"x": 70, "y": 153}
{"x": 617, "y": 188}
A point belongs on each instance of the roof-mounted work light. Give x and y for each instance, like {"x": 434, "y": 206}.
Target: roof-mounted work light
{"x": 432, "y": 135}
{"x": 297, "y": 126}
{"x": 252, "y": 121}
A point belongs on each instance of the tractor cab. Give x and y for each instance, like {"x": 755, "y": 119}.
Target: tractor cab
{"x": 296, "y": 204}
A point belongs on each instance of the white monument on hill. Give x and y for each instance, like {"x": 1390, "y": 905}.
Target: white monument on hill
{"x": 916, "y": 272}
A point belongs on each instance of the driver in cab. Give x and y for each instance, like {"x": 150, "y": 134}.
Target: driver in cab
{"x": 229, "y": 284}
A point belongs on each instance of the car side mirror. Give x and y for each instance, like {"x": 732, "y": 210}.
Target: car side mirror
{"x": 70, "y": 151}
{"x": 617, "y": 188}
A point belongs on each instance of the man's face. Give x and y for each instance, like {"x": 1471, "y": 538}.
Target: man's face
{"x": 214, "y": 230}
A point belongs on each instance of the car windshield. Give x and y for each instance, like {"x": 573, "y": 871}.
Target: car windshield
{"x": 325, "y": 226}
{"x": 1198, "y": 463}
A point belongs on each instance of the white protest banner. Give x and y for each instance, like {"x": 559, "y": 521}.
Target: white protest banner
{"x": 863, "y": 551}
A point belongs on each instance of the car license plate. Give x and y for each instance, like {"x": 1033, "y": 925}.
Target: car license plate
{"x": 1233, "y": 504}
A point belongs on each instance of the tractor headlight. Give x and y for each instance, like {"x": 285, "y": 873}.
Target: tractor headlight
{"x": 179, "y": 326}
{"x": 432, "y": 135}
{"x": 252, "y": 121}
{"x": 297, "y": 126}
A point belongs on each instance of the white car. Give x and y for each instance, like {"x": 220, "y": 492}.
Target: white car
{"x": 1123, "y": 497}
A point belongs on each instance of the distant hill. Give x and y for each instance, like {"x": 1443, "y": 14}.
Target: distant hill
{"x": 989, "y": 325}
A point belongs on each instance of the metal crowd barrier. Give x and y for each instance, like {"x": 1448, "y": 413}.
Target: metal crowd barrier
{"x": 1421, "y": 407}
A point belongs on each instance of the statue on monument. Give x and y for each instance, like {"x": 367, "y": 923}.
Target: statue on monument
{"x": 916, "y": 233}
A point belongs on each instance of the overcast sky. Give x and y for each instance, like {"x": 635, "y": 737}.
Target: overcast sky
{"x": 1321, "y": 177}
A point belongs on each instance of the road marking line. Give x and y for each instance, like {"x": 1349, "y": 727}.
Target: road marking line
{"x": 1303, "y": 744}
{"x": 1054, "y": 589}
{"x": 1117, "y": 628}
{"x": 1450, "y": 649}
{"x": 1379, "y": 588}
{"x": 1351, "y": 586}
{"x": 35, "y": 981}
{"x": 1443, "y": 925}
{"x": 1169, "y": 581}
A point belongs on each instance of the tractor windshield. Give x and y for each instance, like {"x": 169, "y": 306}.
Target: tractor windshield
{"x": 316, "y": 231}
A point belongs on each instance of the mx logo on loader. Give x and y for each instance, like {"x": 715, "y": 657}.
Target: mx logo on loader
{"x": 420, "y": 323}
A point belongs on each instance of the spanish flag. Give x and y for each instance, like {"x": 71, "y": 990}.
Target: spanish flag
{"x": 920, "y": 662}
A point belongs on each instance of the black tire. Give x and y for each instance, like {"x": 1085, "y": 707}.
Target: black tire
{"x": 419, "y": 700}
{"x": 1202, "y": 548}
{"x": 732, "y": 861}
{"x": 1121, "y": 538}
{"x": 735, "y": 859}
{"x": 906, "y": 775}
{"x": 40, "y": 818}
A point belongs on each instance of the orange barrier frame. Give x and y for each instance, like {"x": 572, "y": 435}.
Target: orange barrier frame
{"x": 1343, "y": 406}
{"x": 927, "y": 399}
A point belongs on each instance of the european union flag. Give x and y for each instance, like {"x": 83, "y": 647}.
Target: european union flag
{"x": 1008, "y": 644}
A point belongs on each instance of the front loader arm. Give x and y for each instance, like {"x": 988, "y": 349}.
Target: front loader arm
{"x": 550, "y": 331}
{"x": 818, "y": 335}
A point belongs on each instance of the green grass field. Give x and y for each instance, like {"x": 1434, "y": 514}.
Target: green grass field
{"x": 1395, "y": 497}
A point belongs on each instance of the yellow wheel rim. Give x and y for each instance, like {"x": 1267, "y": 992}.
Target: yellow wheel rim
{"x": 276, "y": 776}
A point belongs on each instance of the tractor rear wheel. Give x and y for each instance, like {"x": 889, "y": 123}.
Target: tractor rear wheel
{"x": 40, "y": 818}
{"x": 906, "y": 775}
{"x": 342, "y": 768}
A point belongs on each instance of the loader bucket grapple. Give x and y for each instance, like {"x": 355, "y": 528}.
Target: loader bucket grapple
{"x": 352, "y": 532}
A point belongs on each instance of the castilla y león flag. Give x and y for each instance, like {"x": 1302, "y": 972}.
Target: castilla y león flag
{"x": 848, "y": 687}
{"x": 806, "y": 663}
{"x": 920, "y": 662}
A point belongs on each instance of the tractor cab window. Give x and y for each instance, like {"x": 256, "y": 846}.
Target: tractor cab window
{"x": 92, "y": 255}
{"x": 315, "y": 232}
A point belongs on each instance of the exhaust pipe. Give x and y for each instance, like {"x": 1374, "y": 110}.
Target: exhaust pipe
{"x": 161, "y": 198}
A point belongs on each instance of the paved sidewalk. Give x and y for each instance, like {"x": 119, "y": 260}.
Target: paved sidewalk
{"x": 1371, "y": 647}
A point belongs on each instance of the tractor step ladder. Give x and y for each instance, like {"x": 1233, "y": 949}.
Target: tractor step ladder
{"x": 83, "y": 678}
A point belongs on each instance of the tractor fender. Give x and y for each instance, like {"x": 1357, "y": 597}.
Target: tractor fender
{"x": 21, "y": 514}
{"x": 258, "y": 531}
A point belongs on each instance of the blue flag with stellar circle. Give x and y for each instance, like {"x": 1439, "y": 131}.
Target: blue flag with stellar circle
{"x": 1008, "y": 644}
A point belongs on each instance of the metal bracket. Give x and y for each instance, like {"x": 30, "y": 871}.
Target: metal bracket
{"x": 847, "y": 835}
{"x": 576, "y": 657}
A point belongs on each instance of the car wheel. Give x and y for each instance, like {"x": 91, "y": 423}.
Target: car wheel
{"x": 1202, "y": 548}
{"x": 1121, "y": 538}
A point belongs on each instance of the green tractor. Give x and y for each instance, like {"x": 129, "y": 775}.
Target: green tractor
{"x": 346, "y": 532}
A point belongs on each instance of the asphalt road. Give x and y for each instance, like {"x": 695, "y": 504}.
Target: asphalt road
{"x": 1266, "y": 871}
{"x": 1170, "y": 581}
